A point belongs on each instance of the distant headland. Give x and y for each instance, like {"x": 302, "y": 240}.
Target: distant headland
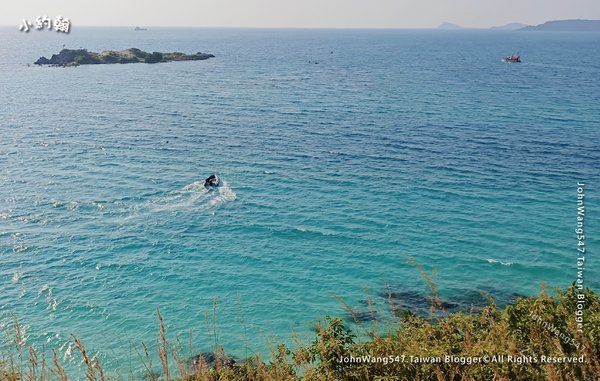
{"x": 555, "y": 25}
{"x": 76, "y": 57}
{"x": 566, "y": 26}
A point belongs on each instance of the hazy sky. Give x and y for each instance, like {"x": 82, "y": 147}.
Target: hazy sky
{"x": 300, "y": 13}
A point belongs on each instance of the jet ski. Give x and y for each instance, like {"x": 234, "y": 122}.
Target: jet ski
{"x": 212, "y": 181}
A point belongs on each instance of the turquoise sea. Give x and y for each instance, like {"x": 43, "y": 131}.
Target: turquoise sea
{"x": 343, "y": 152}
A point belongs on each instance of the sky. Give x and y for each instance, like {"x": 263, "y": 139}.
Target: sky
{"x": 299, "y": 13}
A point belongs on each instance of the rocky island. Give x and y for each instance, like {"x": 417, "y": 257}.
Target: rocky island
{"x": 76, "y": 57}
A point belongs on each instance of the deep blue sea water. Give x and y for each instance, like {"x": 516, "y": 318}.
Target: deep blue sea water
{"x": 342, "y": 152}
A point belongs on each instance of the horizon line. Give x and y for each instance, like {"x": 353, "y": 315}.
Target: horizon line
{"x": 438, "y": 27}
{"x": 275, "y": 27}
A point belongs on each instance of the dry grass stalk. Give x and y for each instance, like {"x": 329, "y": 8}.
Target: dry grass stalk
{"x": 162, "y": 348}
{"x": 179, "y": 360}
{"x": 89, "y": 362}
{"x": 436, "y": 302}
{"x": 33, "y": 364}
{"x": 146, "y": 361}
{"x": 58, "y": 370}
{"x": 345, "y": 306}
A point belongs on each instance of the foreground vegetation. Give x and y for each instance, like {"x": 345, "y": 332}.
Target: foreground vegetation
{"x": 537, "y": 332}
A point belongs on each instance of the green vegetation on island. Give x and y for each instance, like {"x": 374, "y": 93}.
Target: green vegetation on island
{"x": 532, "y": 339}
{"x": 76, "y": 57}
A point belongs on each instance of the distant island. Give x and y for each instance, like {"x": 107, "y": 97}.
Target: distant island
{"x": 449, "y": 25}
{"x": 511, "y": 26}
{"x": 566, "y": 26}
{"x": 76, "y": 57}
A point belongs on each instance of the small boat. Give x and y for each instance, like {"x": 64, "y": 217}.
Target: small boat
{"x": 137, "y": 28}
{"x": 515, "y": 58}
{"x": 212, "y": 181}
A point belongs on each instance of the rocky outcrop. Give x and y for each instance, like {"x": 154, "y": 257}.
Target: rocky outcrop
{"x": 76, "y": 57}
{"x": 210, "y": 360}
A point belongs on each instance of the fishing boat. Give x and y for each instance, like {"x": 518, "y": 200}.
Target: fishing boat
{"x": 515, "y": 58}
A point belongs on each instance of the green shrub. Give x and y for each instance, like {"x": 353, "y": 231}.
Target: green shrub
{"x": 154, "y": 57}
{"x": 531, "y": 328}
